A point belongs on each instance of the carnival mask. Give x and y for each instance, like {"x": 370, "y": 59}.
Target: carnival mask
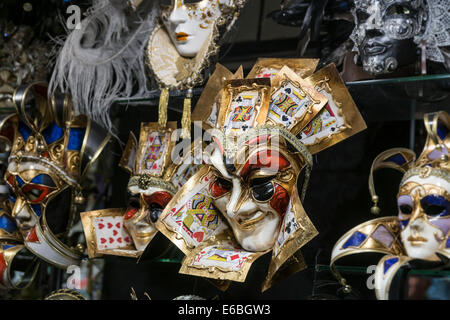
{"x": 424, "y": 209}
{"x": 156, "y": 174}
{"x": 421, "y": 228}
{"x": 50, "y": 154}
{"x": 190, "y": 23}
{"x": 244, "y": 202}
{"x": 385, "y": 31}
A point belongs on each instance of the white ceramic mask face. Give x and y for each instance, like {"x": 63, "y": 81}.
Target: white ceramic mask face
{"x": 190, "y": 24}
{"x": 424, "y": 215}
{"x": 252, "y": 205}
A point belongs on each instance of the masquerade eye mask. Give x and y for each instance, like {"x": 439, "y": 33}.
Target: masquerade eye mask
{"x": 244, "y": 202}
{"x": 420, "y": 230}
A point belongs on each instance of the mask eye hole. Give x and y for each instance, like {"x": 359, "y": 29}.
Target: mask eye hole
{"x": 434, "y": 205}
{"x": 362, "y": 15}
{"x": 262, "y": 188}
{"x": 225, "y": 184}
{"x": 133, "y": 202}
{"x": 397, "y": 9}
{"x": 405, "y": 209}
{"x": 35, "y": 193}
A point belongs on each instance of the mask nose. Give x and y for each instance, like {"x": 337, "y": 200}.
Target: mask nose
{"x": 21, "y": 213}
{"x": 179, "y": 13}
{"x": 240, "y": 200}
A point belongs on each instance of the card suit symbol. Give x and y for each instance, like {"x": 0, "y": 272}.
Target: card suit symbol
{"x": 102, "y": 240}
{"x": 119, "y": 240}
{"x": 199, "y": 236}
{"x": 239, "y": 99}
{"x": 127, "y": 239}
{"x": 206, "y": 179}
{"x": 173, "y": 210}
{"x": 101, "y": 226}
{"x": 111, "y": 240}
{"x": 288, "y": 90}
{"x": 110, "y": 225}
{"x": 154, "y": 166}
{"x": 244, "y": 127}
{"x": 115, "y": 232}
{"x": 118, "y": 225}
{"x": 333, "y": 128}
{"x": 284, "y": 118}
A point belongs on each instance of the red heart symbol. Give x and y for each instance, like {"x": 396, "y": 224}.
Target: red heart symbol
{"x": 109, "y": 225}
{"x": 206, "y": 179}
{"x": 127, "y": 239}
{"x": 118, "y": 225}
{"x": 154, "y": 166}
{"x": 111, "y": 240}
{"x": 115, "y": 232}
{"x": 199, "y": 236}
{"x": 173, "y": 210}
{"x": 119, "y": 240}
{"x": 101, "y": 226}
{"x": 103, "y": 240}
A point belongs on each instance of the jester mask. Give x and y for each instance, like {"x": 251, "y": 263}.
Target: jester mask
{"x": 421, "y": 227}
{"x": 156, "y": 175}
{"x": 245, "y": 201}
{"x": 51, "y": 151}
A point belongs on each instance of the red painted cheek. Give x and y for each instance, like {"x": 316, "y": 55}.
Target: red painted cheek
{"x": 280, "y": 199}
{"x": 216, "y": 189}
{"x": 161, "y": 198}
{"x": 130, "y": 213}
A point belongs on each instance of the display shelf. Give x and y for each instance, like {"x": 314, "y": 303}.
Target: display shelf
{"x": 363, "y": 270}
{"x": 390, "y": 99}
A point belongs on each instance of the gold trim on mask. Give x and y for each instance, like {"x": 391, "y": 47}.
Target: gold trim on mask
{"x": 302, "y": 67}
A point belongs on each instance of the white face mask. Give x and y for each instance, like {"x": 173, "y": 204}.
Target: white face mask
{"x": 424, "y": 215}
{"x": 190, "y": 24}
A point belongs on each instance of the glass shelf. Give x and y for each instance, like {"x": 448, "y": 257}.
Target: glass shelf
{"x": 363, "y": 270}
{"x": 391, "y": 99}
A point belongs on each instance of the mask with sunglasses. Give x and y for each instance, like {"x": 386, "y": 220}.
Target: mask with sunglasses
{"x": 420, "y": 230}
{"x": 51, "y": 151}
{"x": 156, "y": 175}
{"x": 245, "y": 201}
{"x": 389, "y": 33}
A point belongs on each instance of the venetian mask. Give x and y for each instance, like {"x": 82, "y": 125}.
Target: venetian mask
{"x": 190, "y": 23}
{"x": 156, "y": 175}
{"x": 181, "y": 47}
{"x": 420, "y": 230}
{"x": 244, "y": 202}
{"x": 50, "y": 154}
{"x": 385, "y": 33}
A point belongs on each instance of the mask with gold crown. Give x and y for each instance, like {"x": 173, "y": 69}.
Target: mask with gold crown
{"x": 51, "y": 151}
{"x": 420, "y": 231}
{"x": 157, "y": 172}
{"x": 244, "y": 202}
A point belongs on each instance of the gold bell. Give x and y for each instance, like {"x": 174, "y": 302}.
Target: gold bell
{"x": 375, "y": 209}
{"x": 40, "y": 148}
{"x": 79, "y": 199}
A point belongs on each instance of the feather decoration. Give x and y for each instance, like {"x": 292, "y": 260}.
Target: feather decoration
{"x": 104, "y": 60}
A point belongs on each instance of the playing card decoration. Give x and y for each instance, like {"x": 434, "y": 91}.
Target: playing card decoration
{"x": 244, "y": 201}
{"x": 156, "y": 175}
{"x": 420, "y": 231}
